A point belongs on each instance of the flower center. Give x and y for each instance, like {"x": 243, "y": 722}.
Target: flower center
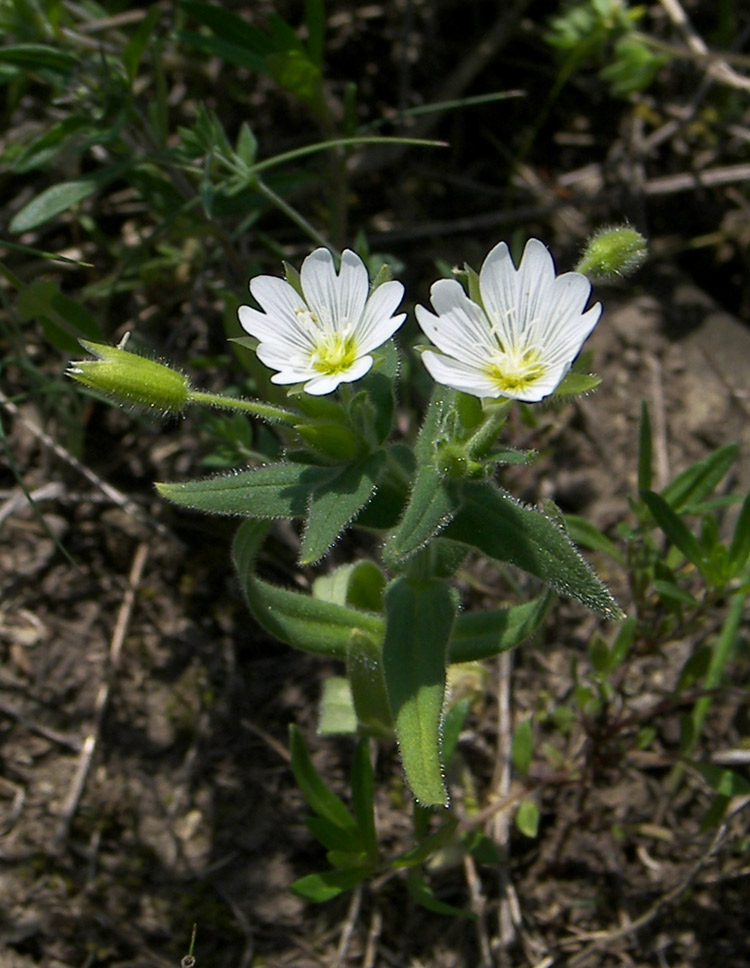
{"x": 334, "y": 353}
{"x": 514, "y": 372}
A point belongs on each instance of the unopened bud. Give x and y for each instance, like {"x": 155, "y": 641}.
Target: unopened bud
{"x": 131, "y": 378}
{"x": 615, "y": 251}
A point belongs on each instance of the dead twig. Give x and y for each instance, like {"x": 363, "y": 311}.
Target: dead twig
{"x": 719, "y": 70}
{"x": 102, "y": 698}
{"x": 602, "y": 940}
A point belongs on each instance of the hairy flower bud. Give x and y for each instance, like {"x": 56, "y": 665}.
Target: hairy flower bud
{"x": 615, "y": 251}
{"x": 131, "y": 378}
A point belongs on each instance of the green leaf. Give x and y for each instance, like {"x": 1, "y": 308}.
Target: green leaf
{"x": 301, "y": 621}
{"x": 229, "y": 26}
{"x": 315, "y": 20}
{"x": 360, "y": 584}
{"x": 522, "y": 747}
{"x": 495, "y": 523}
{"x": 63, "y": 320}
{"x": 322, "y": 800}
{"x": 336, "y": 502}
{"x": 418, "y": 627}
{"x": 63, "y": 196}
{"x": 336, "y": 715}
{"x": 527, "y": 818}
{"x": 318, "y": 888}
{"x": 332, "y": 836}
{"x": 589, "y": 536}
{"x": 442, "y": 402}
{"x": 42, "y": 150}
{"x": 432, "y": 504}
{"x": 680, "y": 536}
{"x": 272, "y": 491}
{"x": 426, "y": 848}
{"x": 700, "y": 479}
{"x": 133, "y": 50}
{"x": 453, "y": 723}
{"x": 479, "y": 635}
{"x": 739, "y": 549}
{"x": 365, "y": 668}
{"x": 363, "y": 798}
{"x": 423, "y": 894}
{"x": 33, "y": 57}
{"x": 725, "y": 782}
{"x": 380, "y": 385}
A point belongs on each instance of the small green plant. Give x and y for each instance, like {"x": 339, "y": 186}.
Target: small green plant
{"x": 604, "y": 32}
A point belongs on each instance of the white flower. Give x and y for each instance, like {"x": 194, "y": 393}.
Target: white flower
{"x": 323, "y": 339}
{"x": 521, "y": 341}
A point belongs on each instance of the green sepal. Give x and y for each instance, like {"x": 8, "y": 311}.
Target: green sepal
{"x": 304, "y": 622}
{"x": 479, "y": 635}
{"x": 273, "y": 491}
{"x": 419, "y": 620}
{"x": 575, "y": 384}
{"x": 495, "y": 523}
{"x": 334, "y": 503}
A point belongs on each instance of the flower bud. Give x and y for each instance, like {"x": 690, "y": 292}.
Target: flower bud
{"x": 614, "y": 251}
{"x": 131, "y": 378}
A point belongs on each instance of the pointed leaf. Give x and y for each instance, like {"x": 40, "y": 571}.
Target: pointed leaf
{"x": 739, "y": 549}
{"x": 335, "y": 502}
{"x": 365, "y": 667}
{"x": 324, "y": 887}
{"x": 677, "y": 532}
{"x": 479, "y": 635}
{"x": 301, "y": 621}
{"x": 419, "y": 620}
{"x": 323, "y": 801}
{"x": 336, "y": 715}
{"x": 272, "y": 491}
{"x": 63, "y": 196}
{"x": 494, "y": 522}
{"x": 363, "y": 798}
{"x": 700, "y": 479}
{"x": 433, "y": 502}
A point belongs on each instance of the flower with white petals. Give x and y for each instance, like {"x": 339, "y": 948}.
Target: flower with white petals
{"x": 323, "y": 338}
{"x": 521, "y": 341}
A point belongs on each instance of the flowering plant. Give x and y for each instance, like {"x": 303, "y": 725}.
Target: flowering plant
{"x": 395, "y": 619}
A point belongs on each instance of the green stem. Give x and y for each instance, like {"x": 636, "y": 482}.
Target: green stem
{"x": 486, "y": 434}
{"x": 263, "y": 410}
{"x": 293, "y": 215}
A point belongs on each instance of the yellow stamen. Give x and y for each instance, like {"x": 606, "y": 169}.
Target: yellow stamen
{"x": 335, "y": 353}
{"x": 516, "y": 371}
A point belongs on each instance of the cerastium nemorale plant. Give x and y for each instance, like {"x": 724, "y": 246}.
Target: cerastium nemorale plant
{"x": 499, "y": 336}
